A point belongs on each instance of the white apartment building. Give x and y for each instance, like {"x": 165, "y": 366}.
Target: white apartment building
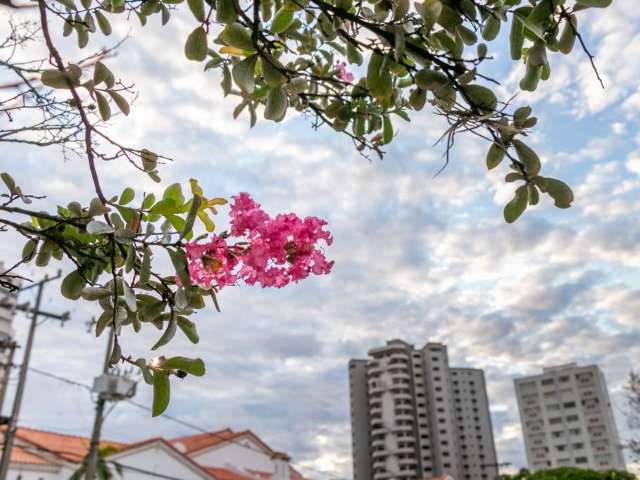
{"x": 567, "y": 419}
{"x": 413, "y": 417}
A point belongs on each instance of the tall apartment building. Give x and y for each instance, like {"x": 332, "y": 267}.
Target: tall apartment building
{"x": 413, "y": 417}
{"x": 8, "y": 300}
{"x": 567, "y": 419}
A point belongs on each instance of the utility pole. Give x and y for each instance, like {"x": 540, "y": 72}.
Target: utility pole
{"x": 92, "y": 456}
{"x": 11, "y": 345}
{"x": 12, "y": 424}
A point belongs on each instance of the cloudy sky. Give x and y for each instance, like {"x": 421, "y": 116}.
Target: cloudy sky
{"x": 417, "y": 257}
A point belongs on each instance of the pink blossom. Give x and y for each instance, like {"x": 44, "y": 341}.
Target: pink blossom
{"x": 345, "y": 75}
{"x": 212, "y": 263}
{"x": 272, "y": 252}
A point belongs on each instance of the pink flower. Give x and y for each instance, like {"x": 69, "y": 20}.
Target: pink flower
{"x": 345, "y": 75}
{"x": 212, "y": 263}
{"x": 273, "y": 252}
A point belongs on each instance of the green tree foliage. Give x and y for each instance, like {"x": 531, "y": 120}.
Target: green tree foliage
{"x": 359, "y": 67}
{"x": 569, "y": 473}
{"x": 105, "y": 469}
{"x": 633, "y": 413}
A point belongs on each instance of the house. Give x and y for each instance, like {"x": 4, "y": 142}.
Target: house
{"x": 221, "y": 455}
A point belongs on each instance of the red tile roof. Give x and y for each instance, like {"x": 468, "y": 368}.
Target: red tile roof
{"x": 67, "y": 447}
{"x": 225, "y": 474}
{"x": 41, "y": 447}
{"x": 202, "y": 441}
{"x": 22, "y": 455}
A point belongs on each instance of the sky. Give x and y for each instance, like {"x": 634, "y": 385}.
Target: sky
{"x": 417, "y": 257}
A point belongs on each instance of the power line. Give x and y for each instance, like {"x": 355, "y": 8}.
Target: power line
{"x": 182, "y": 422}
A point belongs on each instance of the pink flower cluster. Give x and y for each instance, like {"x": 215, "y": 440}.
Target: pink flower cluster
{"x": 345, "y": 75}
{"x": 273, "y": 252}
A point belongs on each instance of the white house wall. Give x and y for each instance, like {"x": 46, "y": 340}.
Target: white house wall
{"x": 155, "y": 460}
{"x": 237, "y": 456}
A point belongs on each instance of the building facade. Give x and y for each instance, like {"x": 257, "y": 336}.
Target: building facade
{"x": 414, "y": 417}
{"x": 567, "y": 419}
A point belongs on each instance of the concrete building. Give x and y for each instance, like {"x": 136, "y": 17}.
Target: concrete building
{"x": 220, "y": 455}
{"x": 567, "y": 419}
{"x": 8, "y": 299}
{"x": 413, "y": 417}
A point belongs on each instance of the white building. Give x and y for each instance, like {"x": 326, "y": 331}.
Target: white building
{"x": 567, "y": 419}
{"x": 414, "y": 417}
{"x": 8, "y": 299}
{"x": 221, "y": 455}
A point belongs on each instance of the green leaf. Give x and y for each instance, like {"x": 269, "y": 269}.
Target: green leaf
{"x": 72, "y": 285}
{"x": 271, "y": 72}
{"x": 191, "y": 216}
{"x": 95, "y": 293}
{"x": 29, "y": 250}
{"x": 353, "y": 54}
{"x": 430, "y": 11}
{"x": 481, "y": 97}
{"x": 235, "y": 35}
{"x": 145, "y": 268}
{"x": 168, "y": 334}
{"x": 129, "y": 297}
{"x": 126, "y": 196}
{"x": 120, "y": 101}
{"x": 103, "y": 106}
{"x": 65, "y": 80}
{"x": 417, "y": 98}
{"x": 531, "y": 78}
{"x": 102, "y": 74}
{"x": 276, "y": 106}
{"x": 226, "y": 11}
{"x": 568, "y": 37}
{"x": 515, "y": 207}
{"x": 491, "y": 27}
{"x": 161, "y": 392}
{"x": 197, "y": 8}
{"x": 281, "y": 20}
{"x": 179, "y": 260}
{"x": 97, "y": 227}
{"x": 83, "y": 35}
{"x": 189, "y": 329}
{"x": 244, "y": 74}
{"x": 103, "y": 23}
{"x": 9, "y": 182}
{"x": 195, "y": 48}
{"x": 494, "y": 156}
{"x": 105, "y": 319}
{"x": 430, "y": 79}
{"x": 528, "y": 157}
{"x": 149, "y": 160}
{"x": 193, "y": 366}
{"x": 379, "y": 80}
{"x": 165, "y": 14}
{"x": 91, "y": 24}
{"x": 516, "y": 38}
{"x": 594, "y": 3}
{"x": 144, "y": 369}
{"x": 387, "y": 131}
{"x": 556, "y": 189}
{"x": 174, "y": 193}
{"x": 513, "y": 177}
{"x": 130, "y": 262}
